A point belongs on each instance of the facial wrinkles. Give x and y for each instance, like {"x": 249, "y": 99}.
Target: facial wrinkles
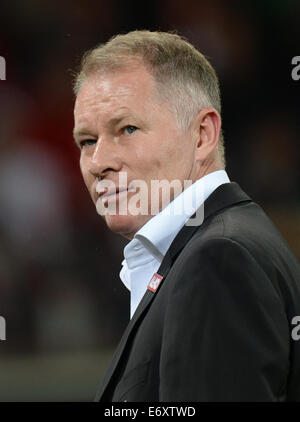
{"x": 103, "y": 99}
{"x": 97, "y": 108}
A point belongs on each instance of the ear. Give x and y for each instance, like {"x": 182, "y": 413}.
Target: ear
{"x": 207, "y": 126}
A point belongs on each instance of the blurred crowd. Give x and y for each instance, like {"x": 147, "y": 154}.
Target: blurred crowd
{"x": 59, "y": 266}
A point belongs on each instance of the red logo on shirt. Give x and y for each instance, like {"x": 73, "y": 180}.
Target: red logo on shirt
{"x": 154, "y": 282}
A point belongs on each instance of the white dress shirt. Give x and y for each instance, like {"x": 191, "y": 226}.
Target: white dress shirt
{"x": 145, "y": 252}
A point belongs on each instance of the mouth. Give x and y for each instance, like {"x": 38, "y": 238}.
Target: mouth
{"x": 110, "y": 195}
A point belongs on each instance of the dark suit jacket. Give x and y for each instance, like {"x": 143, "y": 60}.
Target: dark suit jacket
{"x": 218, "y": 328}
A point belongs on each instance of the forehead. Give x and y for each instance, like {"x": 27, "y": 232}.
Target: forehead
{"x": 106, "y": 93}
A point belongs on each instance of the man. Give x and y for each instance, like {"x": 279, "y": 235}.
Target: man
{"x": 214, "y": 289}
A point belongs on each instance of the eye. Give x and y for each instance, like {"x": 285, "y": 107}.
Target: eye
{"x": 87, "y": 142}
{"x": 129, "y": 129}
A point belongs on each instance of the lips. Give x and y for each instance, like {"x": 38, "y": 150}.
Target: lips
{"x": 111, "y": 194}
{"x": 114, "y": 192}
{"x": 106, "y": 192}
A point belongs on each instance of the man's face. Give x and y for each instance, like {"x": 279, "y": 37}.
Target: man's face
{"x": 122, "y": 126}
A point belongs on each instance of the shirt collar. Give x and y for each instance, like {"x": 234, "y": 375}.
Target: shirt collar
{"x": 153, "y": 240}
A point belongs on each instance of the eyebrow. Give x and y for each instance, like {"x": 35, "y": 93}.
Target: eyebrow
{"x": 111, "y": 122}
{"x": 80, "y": 132}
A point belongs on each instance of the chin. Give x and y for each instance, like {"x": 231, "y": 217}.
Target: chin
{"x": 125, "y": 225}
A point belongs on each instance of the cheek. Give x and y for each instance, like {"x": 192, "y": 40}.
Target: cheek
{"x": 155, "y": 153}
{"x": 82, "y": 167}
{"x": 87, "y": 177}
{"x": 145, "y": 159}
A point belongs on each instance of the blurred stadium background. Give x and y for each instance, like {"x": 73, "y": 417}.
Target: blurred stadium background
{"x": 60, "y": 293}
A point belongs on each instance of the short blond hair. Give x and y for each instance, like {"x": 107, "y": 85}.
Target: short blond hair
{"x": 184, "y": 77}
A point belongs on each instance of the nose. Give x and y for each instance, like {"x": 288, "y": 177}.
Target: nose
{"x": 105, "y": 158}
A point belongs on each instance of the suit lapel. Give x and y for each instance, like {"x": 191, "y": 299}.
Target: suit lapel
{"x": 140, "y": 311}
{"x": 224, "y": 196}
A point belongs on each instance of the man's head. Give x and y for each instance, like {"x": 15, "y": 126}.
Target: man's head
{"x": 148, "y": 104}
